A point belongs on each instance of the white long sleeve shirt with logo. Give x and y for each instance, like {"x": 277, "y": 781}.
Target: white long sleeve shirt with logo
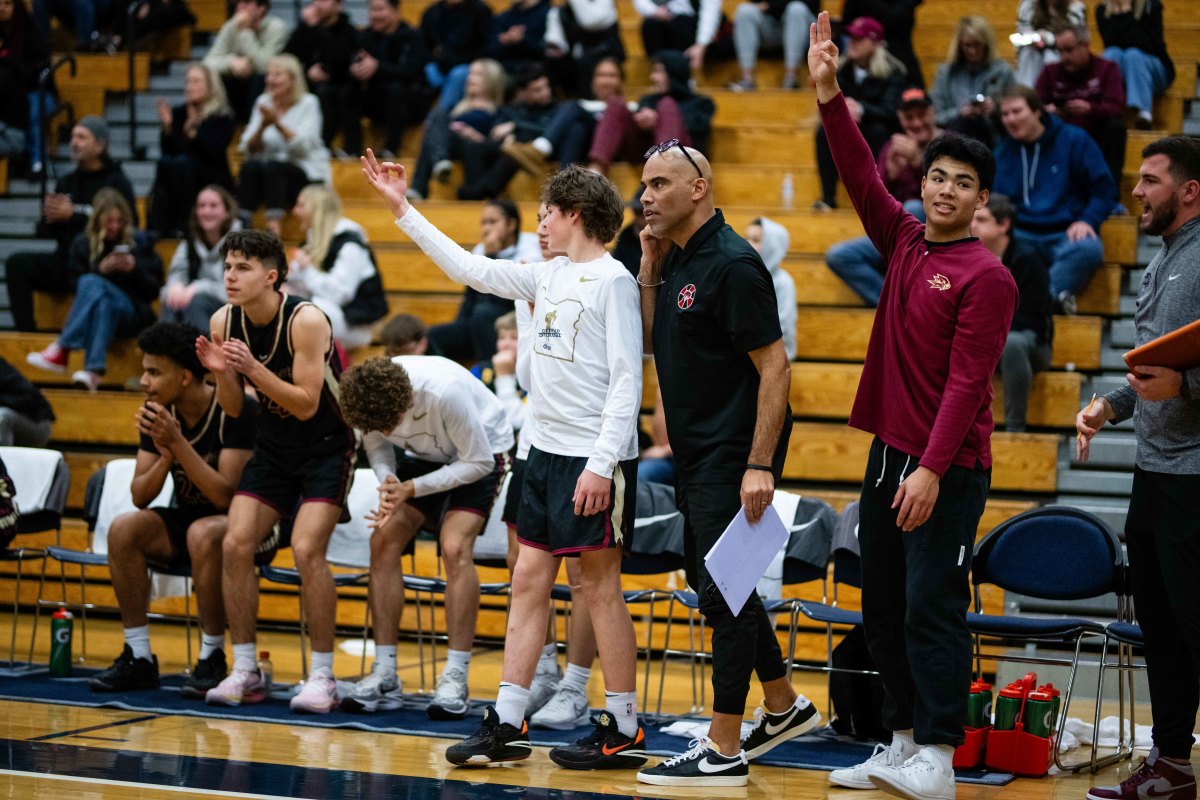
{"x": 454, "y": 421}
{"x": 586, "y": 366}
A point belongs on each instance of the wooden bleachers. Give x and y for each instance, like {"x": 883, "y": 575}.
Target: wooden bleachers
{"x": 98, "y": 73}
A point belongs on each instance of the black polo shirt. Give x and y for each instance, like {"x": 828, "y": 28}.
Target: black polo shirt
{"x": 716, "y": 304}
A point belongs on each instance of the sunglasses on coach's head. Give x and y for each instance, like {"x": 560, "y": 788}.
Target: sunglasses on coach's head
{"x": 667, "y": 145}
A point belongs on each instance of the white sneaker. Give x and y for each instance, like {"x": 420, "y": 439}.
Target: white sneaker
{"x": 545, "y": 682}
{"x": 378, "y": 691}
{"x": 317, "y": 695}
{"x": 566, "y": 710}
{"x": 918, "y": 778}
{"x": 855, "y": 777}
{"x": 241, "y": 686}
{"x": 87, "y": 379}
{"x": 450, "y": 697}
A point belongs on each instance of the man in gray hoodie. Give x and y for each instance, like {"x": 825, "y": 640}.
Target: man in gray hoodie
{"x": 1162, "y": 528}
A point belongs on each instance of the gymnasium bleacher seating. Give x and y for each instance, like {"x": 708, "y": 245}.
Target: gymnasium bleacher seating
{"x": 758, "y": 138}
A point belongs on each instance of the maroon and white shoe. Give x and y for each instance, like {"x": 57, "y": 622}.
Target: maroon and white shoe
{"x": 1157, "y": 778}
{"x": 52, "y": 359}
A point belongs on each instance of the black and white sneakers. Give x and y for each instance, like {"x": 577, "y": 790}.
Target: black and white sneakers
{"x": 774, "y": 729}
{"x": 702, "y": 765}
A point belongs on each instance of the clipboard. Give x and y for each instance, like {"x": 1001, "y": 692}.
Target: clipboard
{"x": 1178, "y": 350}
{"x": 738, "y": 559}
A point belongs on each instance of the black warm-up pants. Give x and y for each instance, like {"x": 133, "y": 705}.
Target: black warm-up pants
{"x": 915, "y": 594}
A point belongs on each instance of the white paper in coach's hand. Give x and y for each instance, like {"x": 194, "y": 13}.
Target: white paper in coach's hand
{"x": 743, "y": 553}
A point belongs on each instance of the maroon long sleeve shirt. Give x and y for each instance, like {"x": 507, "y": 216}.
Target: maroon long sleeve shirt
{"x": 940, "y": 327}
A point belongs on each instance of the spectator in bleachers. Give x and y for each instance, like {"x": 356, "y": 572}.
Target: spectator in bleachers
{"x": 282, "y": 145}
{"x": 404, "y": 335}
{"x": 23, "y": 51}
{"x": 151, "y": 20}
{"x": 119, "y": 277}
{"x": 1087, "y": 91}
{"x": 472, "y": 335}
{"x": 579, "y": 35}
{"x": 487, "y": 167}
{"x": 1132, "y": 33}
{"x": 196, "y": 275}
{"x": 83, "y": 16}
{"x": 335, "y": 268}
{"x": 771, "y": 240}
{"x": 446, "y": 129}
{"x": 967, "y": 87}
{"x": 872, "y": 80}
{"x": 671, "y": 111}
{"x": 501, "y": 366}
{"x": 1039, "y": 22}
{"x": 1027, "y": 348}
{"x": 1063, "y": 190}
{"x": 771, "y": 24}
{"x": 567, "y": 137}
{"x": 456, "y": 33}
{"x": 388, "y": 79}
{"x": 518, "y": 34}
{"x": 183, "y": 434}
{"x": 898, "y": 18}
{"x": 628, "y": 249}
{"x": 241, "y": 50}
{"x": 901, "y": 164}
{"x": 679, "y": 25}
{"x": 194, "y": 138}
{"x": 325, "y": 43}
{"x": 65, "y": 214}
{"x": 25, "y": 414}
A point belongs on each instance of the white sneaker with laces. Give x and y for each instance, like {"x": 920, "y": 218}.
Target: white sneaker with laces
{"x": 918, "y": 778}
{"x": 545, "y": 682}
{"x": 317, "y": 695}
{"x": 242, "y": 686}
{"x": 450, "y": 698}
{"x": 87, "y": 379}
{"x": 566, "y": 710}
{"x": 885, "y": 755}
{"x": 380, "y": 690}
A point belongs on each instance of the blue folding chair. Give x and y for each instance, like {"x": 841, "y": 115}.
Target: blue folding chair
{"x": 1051, "y": 553}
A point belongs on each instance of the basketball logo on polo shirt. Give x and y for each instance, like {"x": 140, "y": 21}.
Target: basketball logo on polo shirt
{"x": 687, "y": 296}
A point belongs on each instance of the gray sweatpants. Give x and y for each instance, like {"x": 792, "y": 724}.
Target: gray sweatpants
{"x": 753, "y": 28}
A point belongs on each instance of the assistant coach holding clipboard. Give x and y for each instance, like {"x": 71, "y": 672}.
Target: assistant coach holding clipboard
{"x": 709, "y": 317}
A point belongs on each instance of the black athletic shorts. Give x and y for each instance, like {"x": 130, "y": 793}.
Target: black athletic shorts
{"x": 178, "y": 520}
{"x": 476, "y": 498}
{"x": 516, "y": 486}
{"x": 283, "y": 482}
{"x": 547, "y": 520}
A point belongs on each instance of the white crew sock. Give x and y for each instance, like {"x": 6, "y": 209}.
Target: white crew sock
{"x": 548, "y": 661}
{"x": 385, "y": 658}
{"x": 902, "y": 741}
{"x": 543, "y": 146}
{"x": 623, "y": 707}
{"x": 244, "y": 657}
{"x": 577, "y": 677}
{"x": 321, "y": 662}
{"x": 511, "y": 701}
{"x": 941, "y": 755}
{"x": 457, "y": 659}
{"x": 211, "y": 643}
{"x": 138, "y": 640}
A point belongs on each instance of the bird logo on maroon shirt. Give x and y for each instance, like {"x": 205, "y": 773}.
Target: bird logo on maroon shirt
{"x": 939, "y": 282}
{"x": 687, "y": 296}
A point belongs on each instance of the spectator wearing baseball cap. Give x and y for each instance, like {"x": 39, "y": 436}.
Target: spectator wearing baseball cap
{"x": 872, "y": 80}
{"x": 967, "y": 86}
{"x": 896, "y": 19}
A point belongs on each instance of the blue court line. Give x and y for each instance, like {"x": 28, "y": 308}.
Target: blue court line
{"x": 228, "y": 777}
{"x": 117, "y": 724}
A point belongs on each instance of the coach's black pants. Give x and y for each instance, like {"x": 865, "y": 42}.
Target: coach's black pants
{"x": 915, "y": 594}
{"x": 1162, "y": 533}
{"x": 742, "y": 644}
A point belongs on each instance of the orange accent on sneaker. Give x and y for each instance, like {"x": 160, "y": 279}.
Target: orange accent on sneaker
{"x": 641, "y": 735}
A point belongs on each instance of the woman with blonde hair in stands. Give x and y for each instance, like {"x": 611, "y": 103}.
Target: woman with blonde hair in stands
{"x": 967, "y": 87}
{"x": 1132, "y": 32}
{"x": 119, "y": 278}
{"x": 335, "y": 268}
{"x": 282, "y": 144}
{"x": 1038, "y": 23}
{"x": 471, "y": 118}
{"x": 196, "y": 275}
{"x": 194, "y": 139}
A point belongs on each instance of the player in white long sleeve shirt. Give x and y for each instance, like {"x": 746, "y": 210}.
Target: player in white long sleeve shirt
{"x": 580, "y": 482}
{"x": 438, "y": 442}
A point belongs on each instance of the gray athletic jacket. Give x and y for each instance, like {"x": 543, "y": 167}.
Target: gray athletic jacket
{"x": 1168, "y": 432}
